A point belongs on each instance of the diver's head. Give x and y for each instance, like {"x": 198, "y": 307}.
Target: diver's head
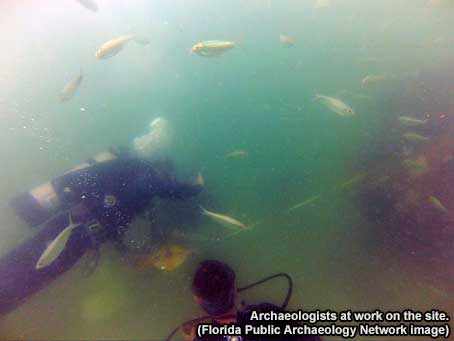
{"x": 155, "y": 144}
{"x": 159, "y": 123}
{"x": 214, "y": 287}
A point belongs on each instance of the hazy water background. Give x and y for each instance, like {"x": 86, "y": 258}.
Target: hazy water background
{"x": 257, "y": 97}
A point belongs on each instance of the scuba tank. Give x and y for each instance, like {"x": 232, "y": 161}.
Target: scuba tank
{"x": 44, "y": 201}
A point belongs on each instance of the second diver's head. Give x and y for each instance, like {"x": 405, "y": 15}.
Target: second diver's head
{"x": 214, "y": 288}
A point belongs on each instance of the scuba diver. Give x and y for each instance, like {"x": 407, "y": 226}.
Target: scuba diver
{"x": 215, "y": 291}
{"x": 79, "y": 210}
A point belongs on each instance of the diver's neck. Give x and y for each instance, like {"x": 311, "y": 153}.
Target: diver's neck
{"x": 230, "y": 316}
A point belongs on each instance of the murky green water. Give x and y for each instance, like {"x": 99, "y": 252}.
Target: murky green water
{"x": 258, "y": 98}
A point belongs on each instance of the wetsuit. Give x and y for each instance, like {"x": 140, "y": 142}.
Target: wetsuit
{"x": 108, "y": 193}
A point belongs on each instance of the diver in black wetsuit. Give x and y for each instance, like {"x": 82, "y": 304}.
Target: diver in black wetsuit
{"x": 102, "y": 196}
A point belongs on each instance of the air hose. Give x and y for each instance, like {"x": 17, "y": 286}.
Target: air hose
{"x": 247, "y": 287}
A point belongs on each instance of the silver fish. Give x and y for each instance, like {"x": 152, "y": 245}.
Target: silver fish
{"x": 286, "y": 40}
{"x": 412, "y": 137}
{"x": 223, "y": 219}
{"x": 411, "y": 122}
{"x": 57, "y": 246}
{"x": 438, "y": 205}
{"x": 304, "y": 203}
{"x": 70, "y": 89}
{"x": 112, "y": 47}
{"x": 369, "y": 79}
{"x": 236, "y": 154}
{"x": 213, "y": 48}
{"x": 336, "y": 105}
{"x": 89, "y": 4}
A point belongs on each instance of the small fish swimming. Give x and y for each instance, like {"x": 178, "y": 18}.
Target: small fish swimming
{"x": 57, "y": 246}
{"x": 304, "y": 203}
{"x": 213, "y": 48}
{"x": 370, "y": 79}
{"x": 113, "y": 46}
{"x": 89, "y": 4}
{"x": 416, "y": 166}
{"x": 223, "y": 219}
{"x": 353, "y": 181}
{"x": 70, "y": 89}
{"x": 438, "y": 205}
{"x": 411, "y": 122}
{"x": 336, "y": 105}
{"x": 236, "y": 154}
{"x": 413, "y": 137}
{"x": 286, "y": 40}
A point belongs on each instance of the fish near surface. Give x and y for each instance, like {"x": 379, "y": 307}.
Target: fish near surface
{"x": 70, "y": 89}
{"x": 113, "y": 46}
{"x": 286, "y": 40}
{"x": 213, "y": 48}
{"x": 236, "y": 154}
{"x": 336, "y": 105}
{"x": 57, "y": 246}
{"x": 224, "y": 219}
{"x": 371, "y": 79}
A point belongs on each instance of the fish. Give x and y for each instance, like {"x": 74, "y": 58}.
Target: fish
{"x": 57, "y": 246}
{"x": 166, "y": 258}
{"x": 411, "y": 122}
{"x": 236, "y": 154}
{"x": 305, "y": 202}
{"x": 286, "y": 40}
{"x": 353, "y": 181}
{"x": 89, "y": 4}
{"x": 416, "y": 166}
{"x": 213, "y": 48}
{"x": 112, "y": 47}
{"x": 224, "y": 220}
{"x": 323, "y": 4}
{"x": 369, "y": 79}
{"x": 413, "y": 137}
{"x": 336, "y": 105}
{"x": 70, "y": 88}
{"x": 438, "y": 205}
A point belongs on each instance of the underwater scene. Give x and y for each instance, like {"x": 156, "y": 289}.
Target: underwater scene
{"x": 139, "y": 138}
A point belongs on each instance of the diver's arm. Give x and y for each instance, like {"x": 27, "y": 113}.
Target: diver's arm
{"x": 179, "y": 190}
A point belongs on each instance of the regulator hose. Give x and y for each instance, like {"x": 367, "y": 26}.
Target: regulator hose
{"x": 247, "y": 287}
